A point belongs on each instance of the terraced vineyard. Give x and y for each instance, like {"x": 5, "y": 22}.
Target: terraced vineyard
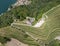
{"x": 49, "y": 30}
{"x": 44, "y": 34}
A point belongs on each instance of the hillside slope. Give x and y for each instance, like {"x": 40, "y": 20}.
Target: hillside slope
{"x": 30, "y": 35}
{"x": 49, "y": 30}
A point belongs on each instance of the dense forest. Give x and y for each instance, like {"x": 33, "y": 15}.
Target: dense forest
{"x": 35, "y": 9}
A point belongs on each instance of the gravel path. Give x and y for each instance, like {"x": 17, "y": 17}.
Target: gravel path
{"x": 38, "y": 24}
